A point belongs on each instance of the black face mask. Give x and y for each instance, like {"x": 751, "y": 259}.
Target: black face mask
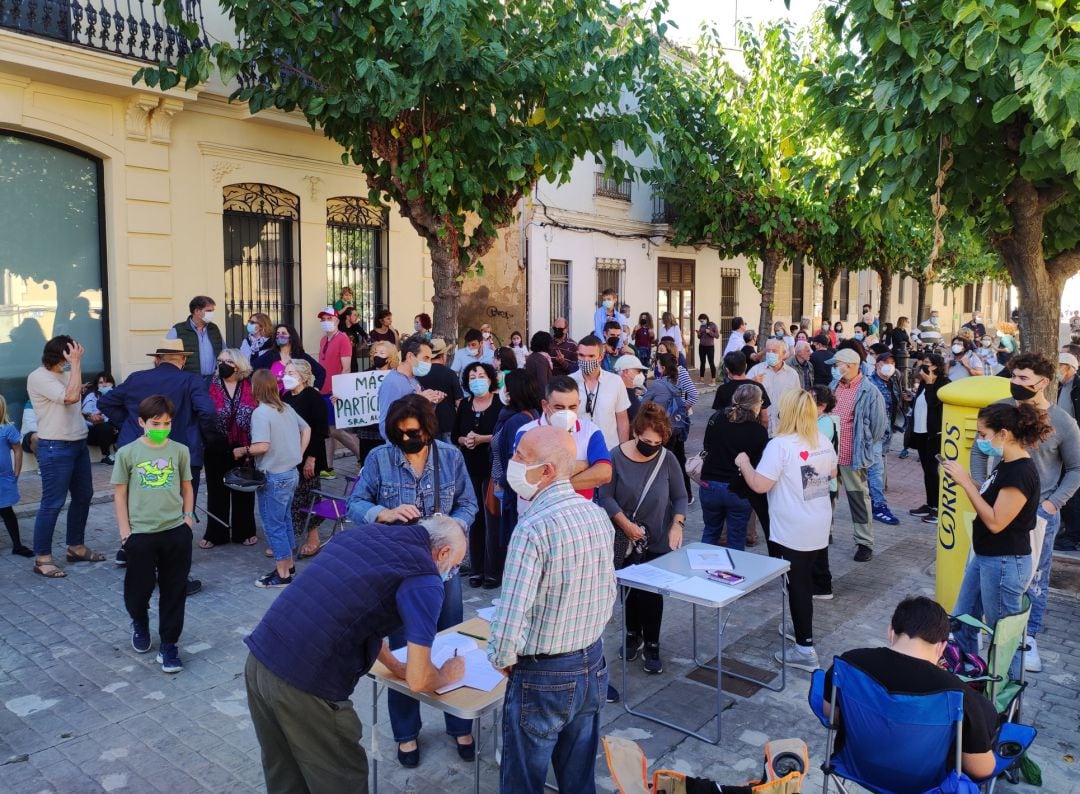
{"x": 558, "y": 333}
{"x": 410, "y": 445}
{"x": 378, "y": 361}
{"x": 1022, "y": 393}
{"x": 613, "y": 342}
{"x": 225, "y": 370}
{"x": 648, "y": 450}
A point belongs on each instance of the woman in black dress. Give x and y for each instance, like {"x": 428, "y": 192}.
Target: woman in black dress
{"x": 308, "y": 403}
{"x": 473, "y": 428}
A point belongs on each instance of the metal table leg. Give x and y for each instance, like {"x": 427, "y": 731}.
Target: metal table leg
{"x": 374, "y": 736}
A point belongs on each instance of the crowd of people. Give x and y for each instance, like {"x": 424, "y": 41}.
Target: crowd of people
{"x": 536, "y": 469}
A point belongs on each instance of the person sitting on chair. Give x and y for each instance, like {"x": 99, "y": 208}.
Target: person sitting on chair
{"x": 917, "y": 637}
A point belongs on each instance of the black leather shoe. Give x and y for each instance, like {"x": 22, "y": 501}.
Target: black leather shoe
{"x": 411, "y": 759}
{"x": 492, "y": 584}
{"x": 863, "y": 553}
{"x": 476, "y": 581}
{"x": 466, "y": 752}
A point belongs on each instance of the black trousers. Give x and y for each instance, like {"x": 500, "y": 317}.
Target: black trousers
{"x": 236, "y": 507}
{"x": 928, "y": 445}
{"x": 706, "y": 353}
{"x": 1070, "y": 519}
{"x": 678, "y": 449}
{"x": 800, "y": 589}
{"x": 820, "y": 575}
{"x": 162, "y": 559}
{"x": 11, "y": 523}
{"x": 486, "y": 553}
{"x": 102, "y": 436}
{"x": 644, "y": 611}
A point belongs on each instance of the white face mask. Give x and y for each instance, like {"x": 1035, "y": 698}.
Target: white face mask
{"x": 564, "y": 420}
{"x": 208, "y": 316}
{"x": 289, "y": 382}
{"x": 957, "y": 349}
{"x": 887, "y": 370}
{"x": 639, "y": 380}
{"x": 327, "y": 325}
{"x": 515, "y": 478}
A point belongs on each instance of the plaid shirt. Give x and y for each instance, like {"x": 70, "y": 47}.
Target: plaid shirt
{"x": 559, "y": 583}
{"x": 846, "y": 394}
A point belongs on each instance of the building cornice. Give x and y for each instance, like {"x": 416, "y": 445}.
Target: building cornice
{"x": 237, "y": 153}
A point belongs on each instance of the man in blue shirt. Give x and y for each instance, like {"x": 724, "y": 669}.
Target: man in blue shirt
{"x": 415, "y": 363}
{"x": 201, "y": 337}
{"x": 607, "y": 313}
{"x": 887, "y": 382}
{"x": 326, "y": 631}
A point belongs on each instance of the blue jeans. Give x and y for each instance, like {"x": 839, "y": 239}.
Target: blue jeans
{"x": 65, "y": 468}
{"x": 992, "y": 588}
{"x": 875, "y": 475}
{"x": 552, "y": 713}
{"x": 275, "y": 509}
{"x": 1039, "y": 590}
{"x": 404, "y": 710}
{"x": 719, "y": 503}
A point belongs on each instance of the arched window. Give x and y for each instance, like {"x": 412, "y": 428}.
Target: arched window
{"x": 52, "y": 258}
{"x": 356, "y": 255}
{"x": 261, "y": 224}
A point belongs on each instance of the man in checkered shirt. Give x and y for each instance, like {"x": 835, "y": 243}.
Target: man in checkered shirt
{"x": 557, "y": 596}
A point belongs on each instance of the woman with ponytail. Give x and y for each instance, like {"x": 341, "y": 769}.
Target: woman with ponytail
{"x": 1005, "y": 507}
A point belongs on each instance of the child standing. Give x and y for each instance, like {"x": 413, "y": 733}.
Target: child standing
{"x": 10, "y": 467}
{"x": 154, "y": 500}
{"x": 278, "y": 438}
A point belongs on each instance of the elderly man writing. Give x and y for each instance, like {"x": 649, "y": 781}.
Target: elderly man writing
{"x": 558, "y": 593}
{"x": 311, "y": 648}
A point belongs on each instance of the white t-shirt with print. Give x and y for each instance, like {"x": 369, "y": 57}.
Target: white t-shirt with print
{"x": 800, "y": 512}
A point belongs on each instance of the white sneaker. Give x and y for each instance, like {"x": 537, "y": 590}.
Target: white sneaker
{"x": 1032, "y": 660}
{"x": 787, "y": 632}
{"x": 800, "y": 658}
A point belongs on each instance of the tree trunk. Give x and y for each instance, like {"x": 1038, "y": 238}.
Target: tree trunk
{"x": 770, "y": 266}
{"x": 885, "y": 299}
{"x": 445, "y": 270}
{"x": 828, "y": 286}
{"x": 922, "y": 306}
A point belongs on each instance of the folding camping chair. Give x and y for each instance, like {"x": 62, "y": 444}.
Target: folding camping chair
{"x": 1006, "y": 638}
{"x": 328, "y": 507}
{"x": 893, "y": 743}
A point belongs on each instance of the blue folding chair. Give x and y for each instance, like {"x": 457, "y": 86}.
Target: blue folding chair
{"x": 893, "y": 743}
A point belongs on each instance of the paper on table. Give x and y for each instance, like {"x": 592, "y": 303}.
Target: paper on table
{"x": 716, "y": 559}
{"x": 443, "y": 648}
{"x": 650, "y": 575}
{"x": 479, "y": 674}
{"x": 487, "y": 613}
{"x": 705, "y": 589}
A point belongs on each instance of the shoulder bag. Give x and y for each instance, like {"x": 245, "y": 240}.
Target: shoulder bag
{"x": 631, "y": 553}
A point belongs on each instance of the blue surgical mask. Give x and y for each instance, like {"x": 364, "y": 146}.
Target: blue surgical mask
{"x": 104, "y": 389}
{"x": 608, "y": 304}
{"x": 987, "y": 448}
{"x": 479, "y": 387}
{"x": 858, "y": 336}
{"x": 445, "y": 575}
{"x": 836, "y": 373}
{"x": 252, "y": 328}
{"x": 421, "y": 368}
{"x": 772, "y": 359}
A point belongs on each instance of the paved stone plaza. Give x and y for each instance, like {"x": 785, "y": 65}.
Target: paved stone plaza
{"x": 81, "y": 712}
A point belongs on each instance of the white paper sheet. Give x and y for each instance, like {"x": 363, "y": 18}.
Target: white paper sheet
{"x": 650, "y": 575}
{"x": 443, "y": 648}
{"x": 487, "y": 613}
{"x": 717, "y": 559}
{"x": 705, "y": 589}
{"x": 479, "y": 674}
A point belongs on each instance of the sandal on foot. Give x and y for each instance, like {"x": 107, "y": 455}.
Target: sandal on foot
{"x": 205, "y": 544}
{"x": 309, "y": 551}
{"x": 49, "y": 570}
{"x": 249, "y": 541}
{"x": 269, "y": 552}
{"x": 86, "y": 555}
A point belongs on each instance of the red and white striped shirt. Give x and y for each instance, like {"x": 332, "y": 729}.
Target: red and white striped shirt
{"x": 846, "y": 393}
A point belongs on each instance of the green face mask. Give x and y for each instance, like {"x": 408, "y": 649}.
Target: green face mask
{"x": 158, "y": 435}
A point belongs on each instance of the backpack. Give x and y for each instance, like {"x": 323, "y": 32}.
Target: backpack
{"x": 663, "y": 392}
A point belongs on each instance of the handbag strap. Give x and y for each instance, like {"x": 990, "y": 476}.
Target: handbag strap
{"x": 652, "y": 478}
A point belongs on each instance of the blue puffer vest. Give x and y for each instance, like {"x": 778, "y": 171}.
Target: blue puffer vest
{"x": 325, "y": 630}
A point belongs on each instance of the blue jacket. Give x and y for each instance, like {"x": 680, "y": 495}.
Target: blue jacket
{"x": 325, "y": 630}
{"x": 870, "y": 423}
{"x": 387, "y": 481}
{"x": 195, "y": 421}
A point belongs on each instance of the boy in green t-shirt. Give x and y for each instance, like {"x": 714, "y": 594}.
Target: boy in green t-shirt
{"x": 154, "y": 500}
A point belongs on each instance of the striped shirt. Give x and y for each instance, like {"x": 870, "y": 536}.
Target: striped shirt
{"x": 559, "y": 582}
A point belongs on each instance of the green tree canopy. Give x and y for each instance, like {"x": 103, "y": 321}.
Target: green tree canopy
{"x": 452, "y": 110}
{"x": 743, "y": 158}
{"x": 979, "y": 99}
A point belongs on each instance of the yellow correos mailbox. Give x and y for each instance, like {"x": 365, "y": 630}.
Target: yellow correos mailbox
{"x": 962, "y": 401}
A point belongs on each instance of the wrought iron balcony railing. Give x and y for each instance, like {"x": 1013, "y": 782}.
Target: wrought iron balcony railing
{"x": 611, "y": 188}
{"x": 128, "y": 28}
{"x": 662, "y": 212}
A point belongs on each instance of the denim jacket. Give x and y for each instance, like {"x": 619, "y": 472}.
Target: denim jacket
{"x": 387, "y": 481}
